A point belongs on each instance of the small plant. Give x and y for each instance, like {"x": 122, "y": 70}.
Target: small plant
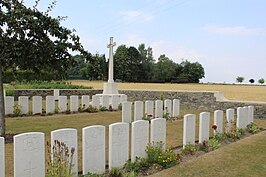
{"x": 167, "y": 115}
{"x": 10, "y": 92}
{"x": 214, "y": 144}
{"x": 56, "y": 109}
{"x": 204, "y": 146}
{"x": 17, "y": 110}
{"x": 92, "y": 109}
{"x": 140, "y": 164}
{"x": 61, "y": 160}
{"x": 189, "y": 149}
{"x": 110, "y": 108}
{"x": 120, "y": 107}
{"x": 162, "y": 96}
{"x": 253, "y": 128}
{"x": 116, "y": 172}
{"x": 30, "y": 113}
{"x": 102, "y": 108}
{"x": 91, "y": 175}
{"x": 156, "y": 155}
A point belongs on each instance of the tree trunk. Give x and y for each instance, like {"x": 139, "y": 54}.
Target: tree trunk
{"x": 2, "y": 105}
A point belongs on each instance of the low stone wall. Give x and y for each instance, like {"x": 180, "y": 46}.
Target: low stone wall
{"x": 205, "y": 101}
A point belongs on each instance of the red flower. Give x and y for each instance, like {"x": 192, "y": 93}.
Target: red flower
{"x": 214, "y": 127}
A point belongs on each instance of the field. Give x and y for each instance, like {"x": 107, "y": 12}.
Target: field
{"x": 232, "y": 92}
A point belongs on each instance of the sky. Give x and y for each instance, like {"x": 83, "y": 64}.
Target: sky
{"x": 228, "y": 37}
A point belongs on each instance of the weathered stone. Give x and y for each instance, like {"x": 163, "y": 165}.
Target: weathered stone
{"x": 158, "y": 131}
{"x": 96, "y": 101}
{"x": 149, "y": 108}
{"x": 123, "y": 98}
{"x": 36, "y": 105}
{"x": 139, "y": 139}
{"x": 250, "y": 114}
{"x": 85, "y": 101}
{"x": 9, "y": 105}
{"x": 204, "y": 127}
{"x": 69, "y": 137}
{"x": 230, "y": 119}
{"x": 218, "y": 121}
{"x": 189, "y": 129}
{"x": 138, "y": 110}
{"x": 105, "y": 101}
{"x": 240, "y": 118}
{"x": 158, "y": 109}
{"x": 23, "y": 102}
{"x": 74, "y": 103}
{"x": 168, "y": 107}
{"x": 127, "y": 112}
{"x": 118, "y": 144}
{"x": 115, "y": 102}
{"x": 93, "y": 149}
{"x": 50, "y": 104}
{"x": 176, "y": 107}
{"x": 29, "y": 155}
{"x": 62, "y": 103}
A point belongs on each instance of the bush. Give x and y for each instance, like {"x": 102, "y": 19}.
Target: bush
{"x": 189, "y": 149}
{"x": 140, "y": 164}
{"x": 253, "y": 128}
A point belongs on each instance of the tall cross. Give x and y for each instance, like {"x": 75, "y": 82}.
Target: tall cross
{"x": 111, "y": 61}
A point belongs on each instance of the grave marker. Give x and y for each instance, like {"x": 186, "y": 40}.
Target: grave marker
{"x": 218, "y": 120}
{"x": 230, "y": 114}
{"x": 118, "y": 144}
{"x": 204, "y": 127}
{"x": 176, "y": 107}
{"x": 240, "y": 118}
{"x": 9, "y": 105}
{"x": 23, "y": 102}
{"x": 123, "y": 98}
{"x": 168, "y": 107}
{"x": 74, "y": 103}
{"x": 138, "y": 110}
{"x": 56, "y": 94}
{"x": 93, "y": 149}
{"x": 139, "y": 139}
{"x": 105, "y": 101}
{"x": 2, "y": 157}
{"x": 62, "y": 103}
{"x": 85, "y": 101}
{"x": 250, "y": 114}
{"x": 158, "y": 109}
{"x": 69, "y": 137}
{"x": 96, "y": 101}
{"x": 189, "y": 129}
{"x": 149, "y": 108}
{"x": 29, "y": 155}
{"x": 36, "y": 105}
{"x": 158, "y": 131}
{"x": 127, "y": 112}
{"x": 50, "y": 104}
{"x": 115, "y": 102}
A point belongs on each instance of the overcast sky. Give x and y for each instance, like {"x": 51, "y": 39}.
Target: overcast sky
{"x": 228, "y": 37}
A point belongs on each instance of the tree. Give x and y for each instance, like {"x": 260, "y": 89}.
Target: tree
{"x": 261, "y": 81}
{"x": 146, "y": 57}
{"x": 33, "y": 40}
{"x": 191, "y": 71}
{"x": 121, "y": 65}
{"x": 240, "y": 79}
{"x": 251, "y": 81}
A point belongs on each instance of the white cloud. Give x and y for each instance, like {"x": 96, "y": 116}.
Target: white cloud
{"x": 233, "y": 30}
{"x": 135, "y": 15}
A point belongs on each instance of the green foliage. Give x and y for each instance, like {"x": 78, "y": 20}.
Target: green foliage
{"x": 156, "y": 155}
{"x": 166, "y": 115}
{"x": 116, "y": 172}
{"x": 110, "y": 108}
{"x": 214, "y": 144}
{"x": 139, "y": 165}
{"x": 253, "y": 128}
{"x": 120, "y": 107}
{"x": 161, "y": 96}
{"x": 240, "y": 79}
{"x": 10, "y": 92}
{"x": 92, "y": 109}
{"x": 92, "y": 175}
{"x": 102, "y": 108}
{"x": 17, "y": 110}
{"x": 261, "y": 81}
{"x": 189, "y": 149}
{"x": 61, "y": 160}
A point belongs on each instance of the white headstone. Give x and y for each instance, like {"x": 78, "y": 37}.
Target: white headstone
{"x": 2, "y": 157}
{"x": 4, "y": 92}
{"x": 138, "y": 110}
{"x": 240, "y": 118}
{"x": 123, "y": 98}
{"x": 50, "y": 104}
{"x": 139, "y": 139}
{"x": 69, "y": 137}
{"x": 246, "y": 117}
{"x": 96, "y": 101}
{"x": 62, "y": 103}
{"x": 176, "y": 107}
{"x": 115, "y": 102}
{"x": 230, "y": 120}
{"x": 158, "y": 109}
{"x": 168, "y": 107}
{"x": 105, "y": 101}
{"x": 218, "y": 120}
{"x": 149, "y": 108}
{"x": 29, "y": 155}
{"x": 118, "y": 144}
{"x": 56, "y": 94}
{"x": 158, "y": 131}
{"x": 204, "y": 127}
{"x": 23, "y": 102}
{"x": 36, "y": 105}
{"x": 93, "y": 149}
{"x": 85, "y": 101}
{"x": 9, "y": 105}
{"x": 74, "y": 103}
{"x": 127, "y": 112}
{"x": 189, "y": 129}
{"x": 250, "y": 114}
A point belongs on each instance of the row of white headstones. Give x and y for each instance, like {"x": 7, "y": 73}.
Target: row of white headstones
{"x": 96, "y": 101}
{"x": 29, "y": 148}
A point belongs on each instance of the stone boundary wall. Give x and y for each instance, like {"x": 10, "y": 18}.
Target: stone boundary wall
{"x": 203, "y": 100}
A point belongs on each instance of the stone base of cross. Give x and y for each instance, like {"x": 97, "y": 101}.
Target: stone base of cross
{"x": 110, "y": 88}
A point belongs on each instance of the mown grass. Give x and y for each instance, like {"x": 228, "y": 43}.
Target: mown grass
{"x": 49, "y": 123}
{"x": 232, "y": 92}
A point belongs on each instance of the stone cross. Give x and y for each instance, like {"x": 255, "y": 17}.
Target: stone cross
{"x": 111, "y": 61}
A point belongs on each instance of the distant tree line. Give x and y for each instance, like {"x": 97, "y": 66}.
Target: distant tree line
{"x": 137, "y": 65}
{"x": 240, "y": 79}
